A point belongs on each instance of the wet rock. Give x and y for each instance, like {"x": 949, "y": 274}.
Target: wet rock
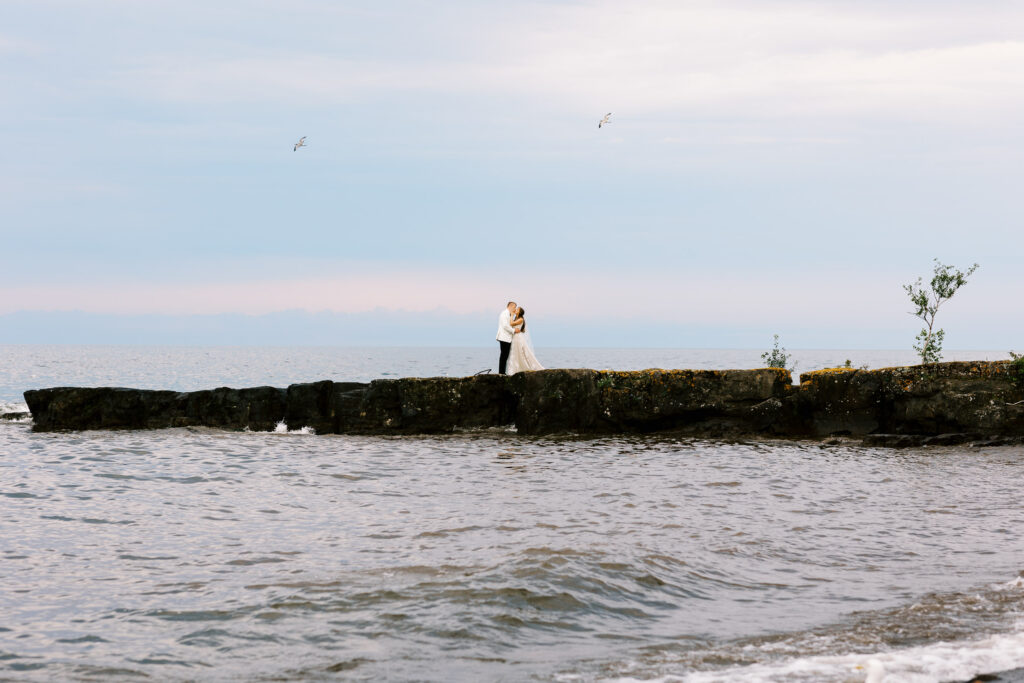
{"x": 841, "y": 400}
{"x": 258, "y": 409}
{"x": 993, "y": 442}
{"x": 431, "y": 405}
{"x": 950, "y": 439}
{"x": 708, "y": 402}
{"x": 403, "y": 406}
{"x": 319, "y": 404}
{"x": 557, "y": 401}
{"x": 13, "y": 416}
{"x": 942, "y": 398}
{"x": 75, "y": 408}
{"x": 894, "y": 440}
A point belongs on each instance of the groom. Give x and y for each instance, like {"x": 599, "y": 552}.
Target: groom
{"x": 505, "y": 333}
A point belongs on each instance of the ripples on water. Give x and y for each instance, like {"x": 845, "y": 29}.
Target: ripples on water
{"x": 198, "y": 554}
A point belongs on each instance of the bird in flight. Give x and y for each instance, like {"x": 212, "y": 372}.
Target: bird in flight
{"x": 300, "y": 143}
{"x": 604, "y": 120}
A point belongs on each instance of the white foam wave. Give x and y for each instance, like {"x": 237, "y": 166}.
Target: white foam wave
{"x": 10, "y": 407}
{"x": 282, "y": 428}
{"x": 924, "y": 664}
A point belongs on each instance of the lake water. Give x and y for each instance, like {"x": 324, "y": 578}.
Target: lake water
{"x": 195, "y": 554}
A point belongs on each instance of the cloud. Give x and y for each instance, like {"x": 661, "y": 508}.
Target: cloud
{"x": 10, "y": 45}
{"x": 22, "y": 187}
{"x": 266, "y": 79}
{"x": 818, "y": 301}
{"x": 751, "y": 61}
{"x": 742, "y": 132}
{"x": 712, "y": 297}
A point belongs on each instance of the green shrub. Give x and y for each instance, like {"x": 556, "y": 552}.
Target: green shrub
{"x": 1016, "y": 370}
{"x": 777, "y": 357}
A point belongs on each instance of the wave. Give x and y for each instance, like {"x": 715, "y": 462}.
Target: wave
{"x": 952, "y": 661}
{"x": 945, "y": 628}
{"x": 282, "y": 428}
{"x": 12, "y": 407}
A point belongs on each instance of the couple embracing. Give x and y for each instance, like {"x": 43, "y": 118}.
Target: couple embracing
{"x": 516, "y": 350}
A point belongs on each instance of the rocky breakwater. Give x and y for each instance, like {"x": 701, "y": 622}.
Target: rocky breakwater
{"x": 403, "y": 406}
{"x": 545, "y": 402}
{"x": 940, "y": 404}
{"x": 943, "y": 403}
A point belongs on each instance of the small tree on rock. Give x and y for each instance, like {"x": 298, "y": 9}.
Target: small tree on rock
{"x": 945, "y": 281}
{"x": 777, "y": 357}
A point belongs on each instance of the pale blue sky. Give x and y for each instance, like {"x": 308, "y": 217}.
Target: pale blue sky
{"x": 777, "y": 166}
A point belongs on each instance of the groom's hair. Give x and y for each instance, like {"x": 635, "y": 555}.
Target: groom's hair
{"x": 510, "y": 303}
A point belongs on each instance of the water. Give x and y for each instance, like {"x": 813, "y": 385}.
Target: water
{"x": 197, "y": 554}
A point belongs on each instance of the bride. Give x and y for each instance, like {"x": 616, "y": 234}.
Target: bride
{"x": 521, "y": 356}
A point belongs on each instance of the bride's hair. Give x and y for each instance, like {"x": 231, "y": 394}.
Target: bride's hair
{"x": 522, "y": 314}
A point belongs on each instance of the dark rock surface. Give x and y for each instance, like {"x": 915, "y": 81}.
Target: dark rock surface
{"x": 258, "y": 408}
{"x": 995, "y": 441}
{"x": 76, "y": 408}
{"x": 894, "y": 440}
{"x": 964, "y": 398}
{"x": 709, "y": 402}
{"x": 402, "y": 406}
{"x": 13, "y": 416}
{"x": 942, "y": 404}
{"x": 101, "y": 408}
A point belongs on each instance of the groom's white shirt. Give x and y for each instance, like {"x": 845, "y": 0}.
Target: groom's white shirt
{"x": 505, "y": 330}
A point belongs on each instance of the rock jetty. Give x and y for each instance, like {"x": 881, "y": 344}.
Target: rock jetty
{"x": 945, "y": 402}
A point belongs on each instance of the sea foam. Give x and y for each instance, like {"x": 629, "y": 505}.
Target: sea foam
{"x": 12, "y": 407}
{"x": 944, "y": 661}
{"x": 282, "y": 428}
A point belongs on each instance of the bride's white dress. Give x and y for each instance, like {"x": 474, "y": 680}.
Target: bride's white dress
{"x": 521, "y": 357}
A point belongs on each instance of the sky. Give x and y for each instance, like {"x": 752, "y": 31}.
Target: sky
{"x": 770, "y": 167}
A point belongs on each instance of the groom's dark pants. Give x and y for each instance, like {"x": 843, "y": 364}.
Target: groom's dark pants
{"x": 503, "y": 357}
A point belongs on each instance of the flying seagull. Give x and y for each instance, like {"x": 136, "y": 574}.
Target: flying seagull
{"x": 300, "y": 143}
{"x": 604, "y": 120}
